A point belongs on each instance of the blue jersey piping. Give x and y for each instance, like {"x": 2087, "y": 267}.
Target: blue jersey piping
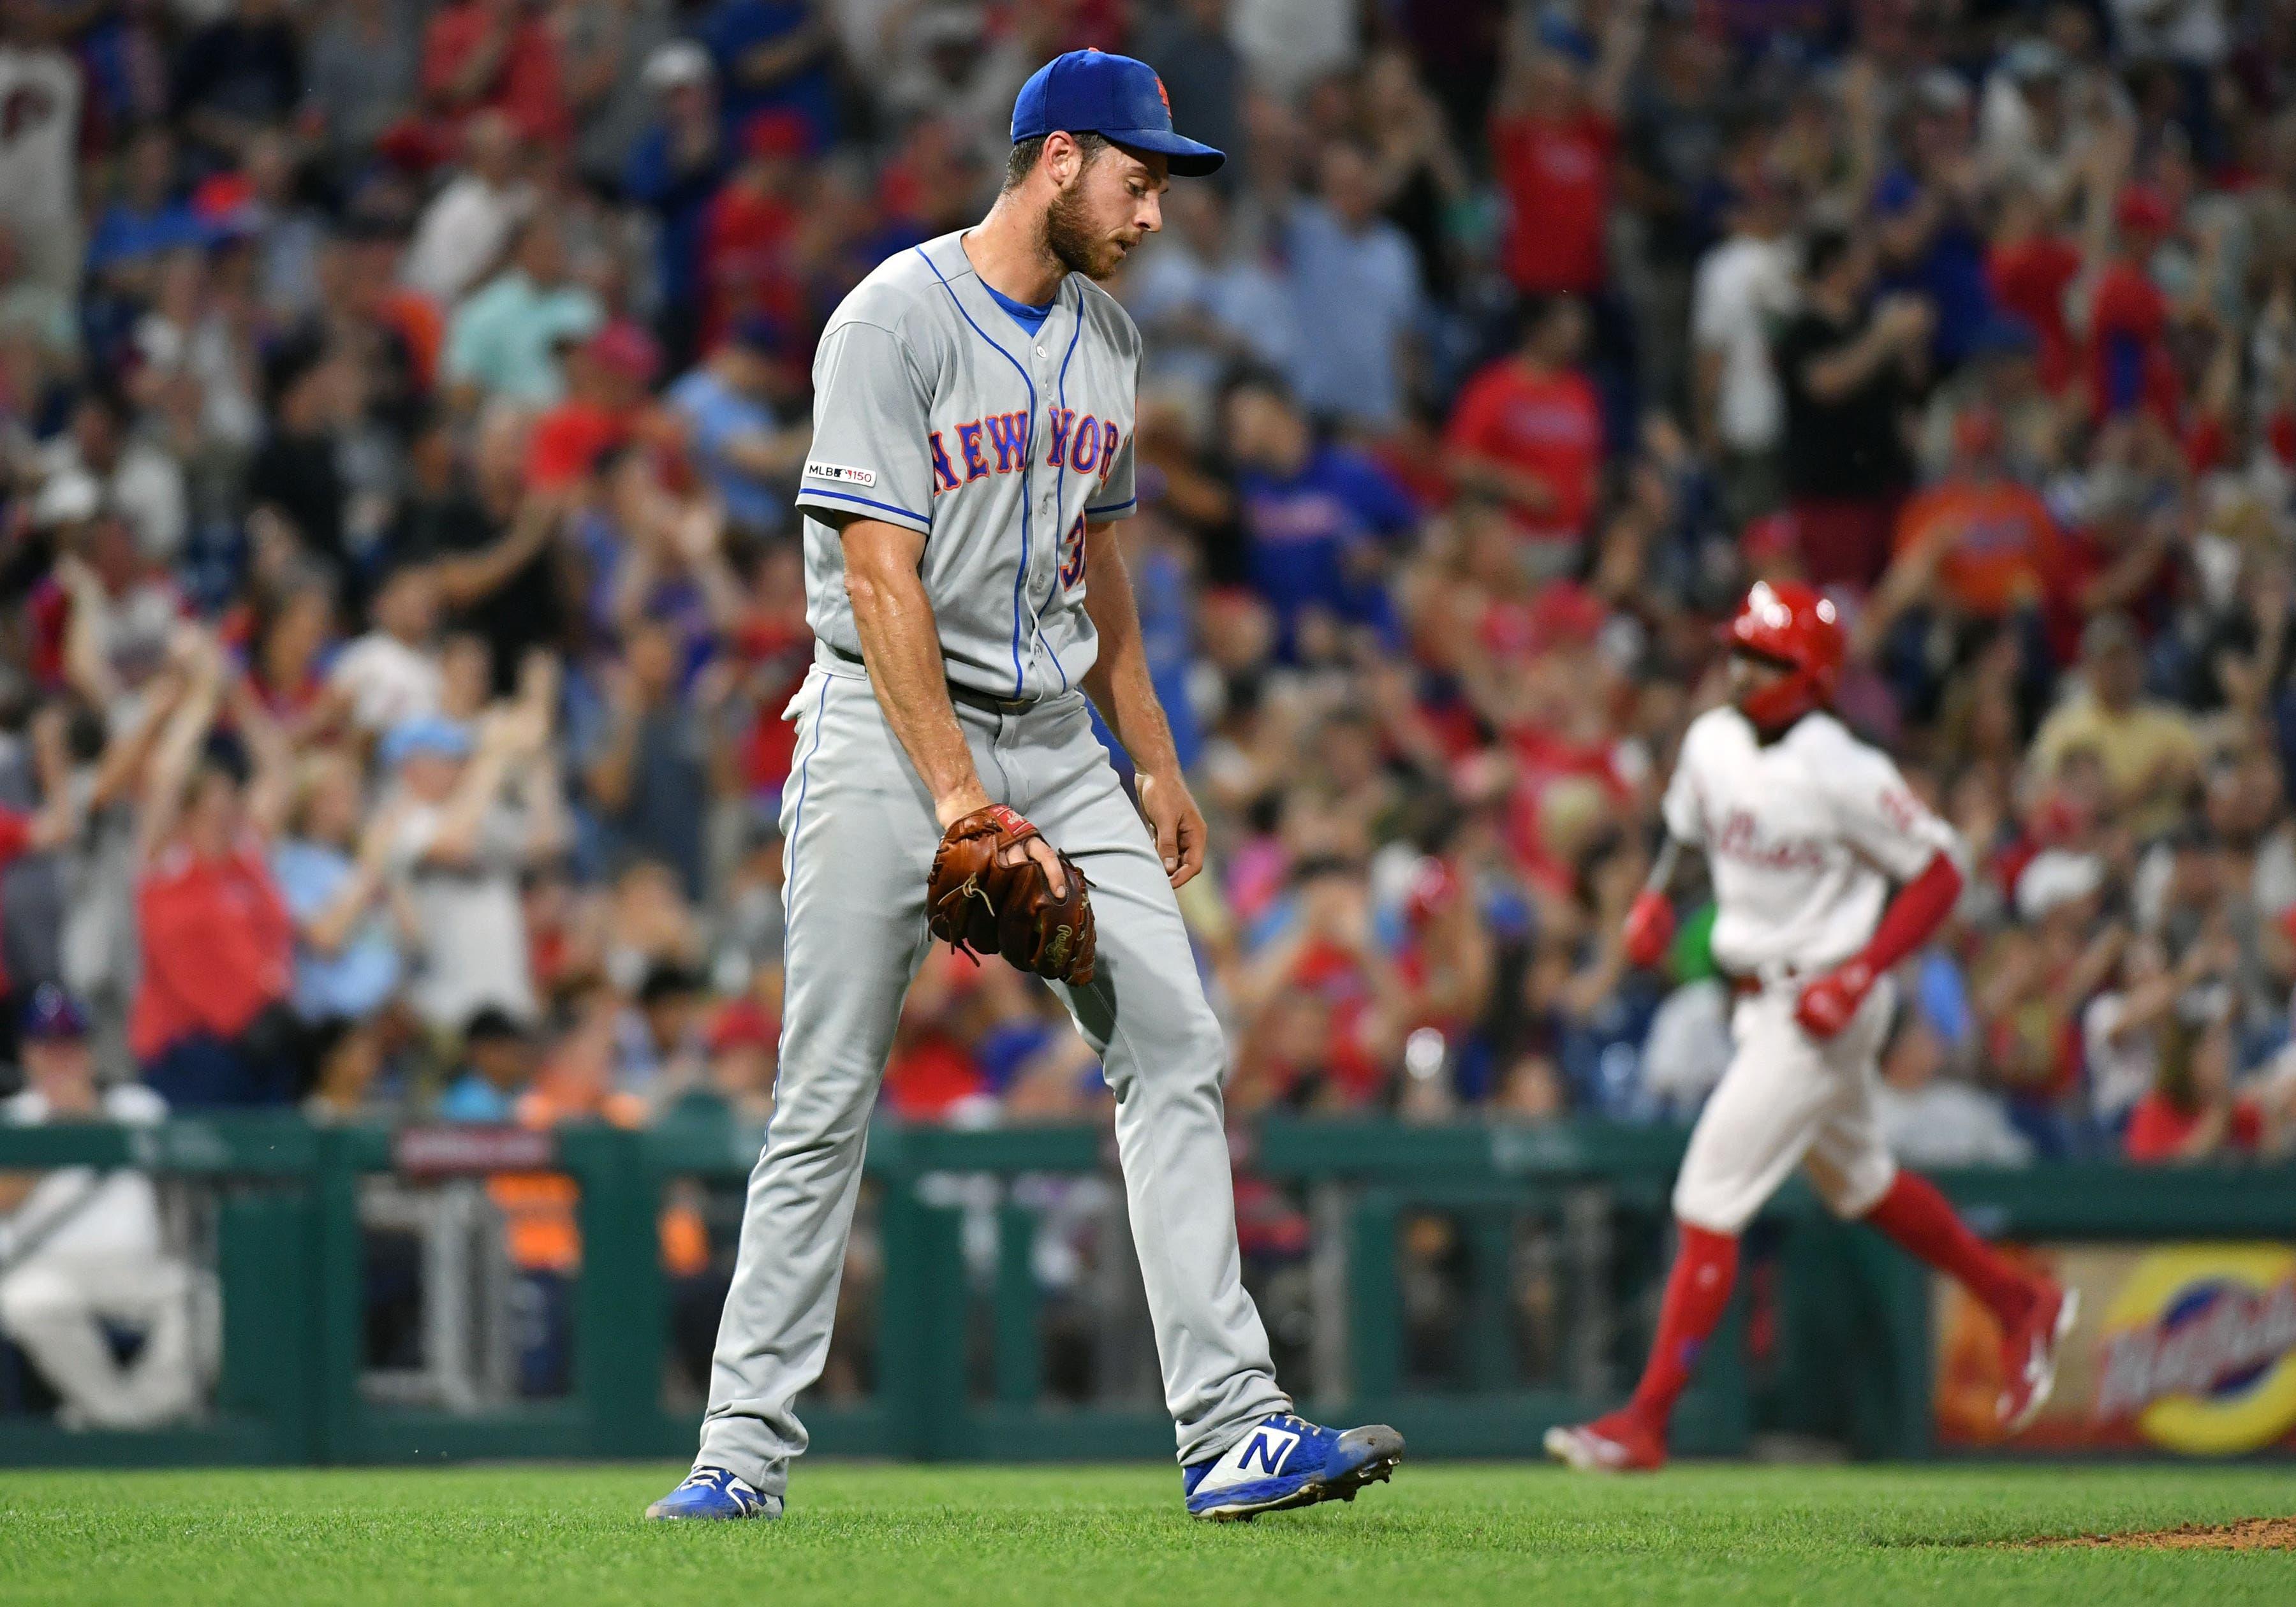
{"x": 1020, "y": 576}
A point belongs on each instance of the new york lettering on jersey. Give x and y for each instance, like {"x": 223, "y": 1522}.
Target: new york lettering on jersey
{"x": 998, "y": 443}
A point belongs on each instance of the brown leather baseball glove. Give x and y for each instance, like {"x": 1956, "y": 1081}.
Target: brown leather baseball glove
{"x": 977, "y": 903}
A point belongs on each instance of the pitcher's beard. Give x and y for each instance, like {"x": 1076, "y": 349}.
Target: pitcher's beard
{"x": 1072, "y": 240}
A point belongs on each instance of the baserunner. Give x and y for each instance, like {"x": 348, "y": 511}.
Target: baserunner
{"x": 972, "y": 446}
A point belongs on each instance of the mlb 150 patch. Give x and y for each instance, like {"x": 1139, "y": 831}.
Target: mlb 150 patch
{"x": 817, "y": 470}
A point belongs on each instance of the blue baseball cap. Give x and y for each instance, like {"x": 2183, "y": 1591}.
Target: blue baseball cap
{"x": 423, "y": 734}
{"x": 1116, "y": 97}
{"x": 52, "y": 1015}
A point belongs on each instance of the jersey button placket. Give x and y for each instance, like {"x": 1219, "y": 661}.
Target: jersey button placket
{"x": 1042, "y": 481}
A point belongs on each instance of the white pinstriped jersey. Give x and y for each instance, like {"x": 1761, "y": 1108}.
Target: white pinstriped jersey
{"x": 1803, "y": 837}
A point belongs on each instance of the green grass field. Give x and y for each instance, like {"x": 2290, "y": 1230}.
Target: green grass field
{"x": 1454, "y": 1534}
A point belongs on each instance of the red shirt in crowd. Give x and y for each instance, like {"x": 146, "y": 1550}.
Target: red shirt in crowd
{"x": 1548, "y": 424}
{"x": 1556, "y": 174}
{"x": 749, "y": 234}
{"x": 1352, "y": 1072}
{"x": 2157, "y": 1129}
{"x": 930, "y": 1075}
{"x": 2084, "y": 555}
{"x": 1561, "y": 613}
{"x": 768, "y": 750}
{"x": 219, "y": 946}
{"x": 1544, "y": 757}
{"x": 526, "y": 84}
{"x": 2029, "y": 278}
{"x": 568, "y": 439}
{"x": 2129, "y": 366}
{"x": 15, "y": 837}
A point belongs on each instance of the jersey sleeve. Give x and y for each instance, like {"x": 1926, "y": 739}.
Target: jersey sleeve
{"x": 1879, "y": 815}
{"x": 1686, "y": 821}
{"x": 871, "y": 455}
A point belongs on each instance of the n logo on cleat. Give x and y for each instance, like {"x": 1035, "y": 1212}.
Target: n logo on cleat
{"x": 1272, "y": 1447}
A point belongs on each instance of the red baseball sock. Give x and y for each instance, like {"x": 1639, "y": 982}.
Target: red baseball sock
{"x": 1697, "y": 1289}
{"x": 1917, "y": 1216}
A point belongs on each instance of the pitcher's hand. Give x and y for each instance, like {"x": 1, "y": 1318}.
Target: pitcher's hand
{"x": 1172, "y": 815}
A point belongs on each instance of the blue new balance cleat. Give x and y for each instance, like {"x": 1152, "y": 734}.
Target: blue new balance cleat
{"x": 1288, "y": 1460}
{"x": 712, "y": 1492}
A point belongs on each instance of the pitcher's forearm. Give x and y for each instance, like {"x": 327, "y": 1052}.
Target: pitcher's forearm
{"x": 901, "y": 646}
{"x": 1119, "y": 683}
{"x": 1126, "y": 700}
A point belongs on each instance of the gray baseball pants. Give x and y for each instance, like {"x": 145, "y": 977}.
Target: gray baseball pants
{"x": 860, "y": 834}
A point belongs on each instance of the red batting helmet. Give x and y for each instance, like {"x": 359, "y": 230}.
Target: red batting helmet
{"x": 1789, "y": 624}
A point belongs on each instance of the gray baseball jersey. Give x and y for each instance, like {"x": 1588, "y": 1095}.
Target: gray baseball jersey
{"x": 936, "y": 409}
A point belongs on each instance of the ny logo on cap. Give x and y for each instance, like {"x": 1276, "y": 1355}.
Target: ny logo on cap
{"x": 1162, "y": 96}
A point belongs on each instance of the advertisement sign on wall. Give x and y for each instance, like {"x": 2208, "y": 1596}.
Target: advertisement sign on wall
{"x": 2180, "y": 1348}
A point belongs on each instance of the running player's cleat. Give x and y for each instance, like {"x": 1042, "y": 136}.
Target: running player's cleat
{"x": 712, "y": 1492}
{"x": 1288, "y": 1460}
{"x": 1619, "y": 1443}
{"x": 2028, "y": 1356}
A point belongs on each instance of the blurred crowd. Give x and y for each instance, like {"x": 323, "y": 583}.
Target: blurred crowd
{"x": 400, "y": 595}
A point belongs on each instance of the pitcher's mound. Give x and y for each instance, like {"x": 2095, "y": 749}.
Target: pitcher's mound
{"x": 2249, "y": 1534}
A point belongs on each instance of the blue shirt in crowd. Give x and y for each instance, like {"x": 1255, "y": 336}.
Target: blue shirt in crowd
{"x": 1312, "y": 537}
{"x": 679, "y": 199}
{"x": 716, "y": 414}
{"x": 1356, "y": 294}
{"x": 121, "y": 236}
{"x": 1950, "y": 271}
{"x": 359, "y": 978}
{"x": 737, "y": 27}
{"x": 471, "y": 1098}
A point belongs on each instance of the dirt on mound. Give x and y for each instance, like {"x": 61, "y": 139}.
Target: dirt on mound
{"x": 2249, "y": 1534}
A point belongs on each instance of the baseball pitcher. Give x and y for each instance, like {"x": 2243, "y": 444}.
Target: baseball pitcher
{"x": 973, "y": 446}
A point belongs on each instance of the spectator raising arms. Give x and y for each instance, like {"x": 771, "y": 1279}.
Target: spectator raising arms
{"x": 209, "y": 1024}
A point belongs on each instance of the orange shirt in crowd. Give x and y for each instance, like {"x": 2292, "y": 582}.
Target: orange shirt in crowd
{"x": 1548, "y": 424}
{"x": 539, "y": 1226}
{"x": 420, "y": 324}
{"x": 1999, "y": 541}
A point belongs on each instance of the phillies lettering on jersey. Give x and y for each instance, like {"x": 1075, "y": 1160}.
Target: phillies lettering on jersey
{"x": 1000, "y": 445}
{"x": 1803, "y": 835}
{"x": 1739, "y": 837}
